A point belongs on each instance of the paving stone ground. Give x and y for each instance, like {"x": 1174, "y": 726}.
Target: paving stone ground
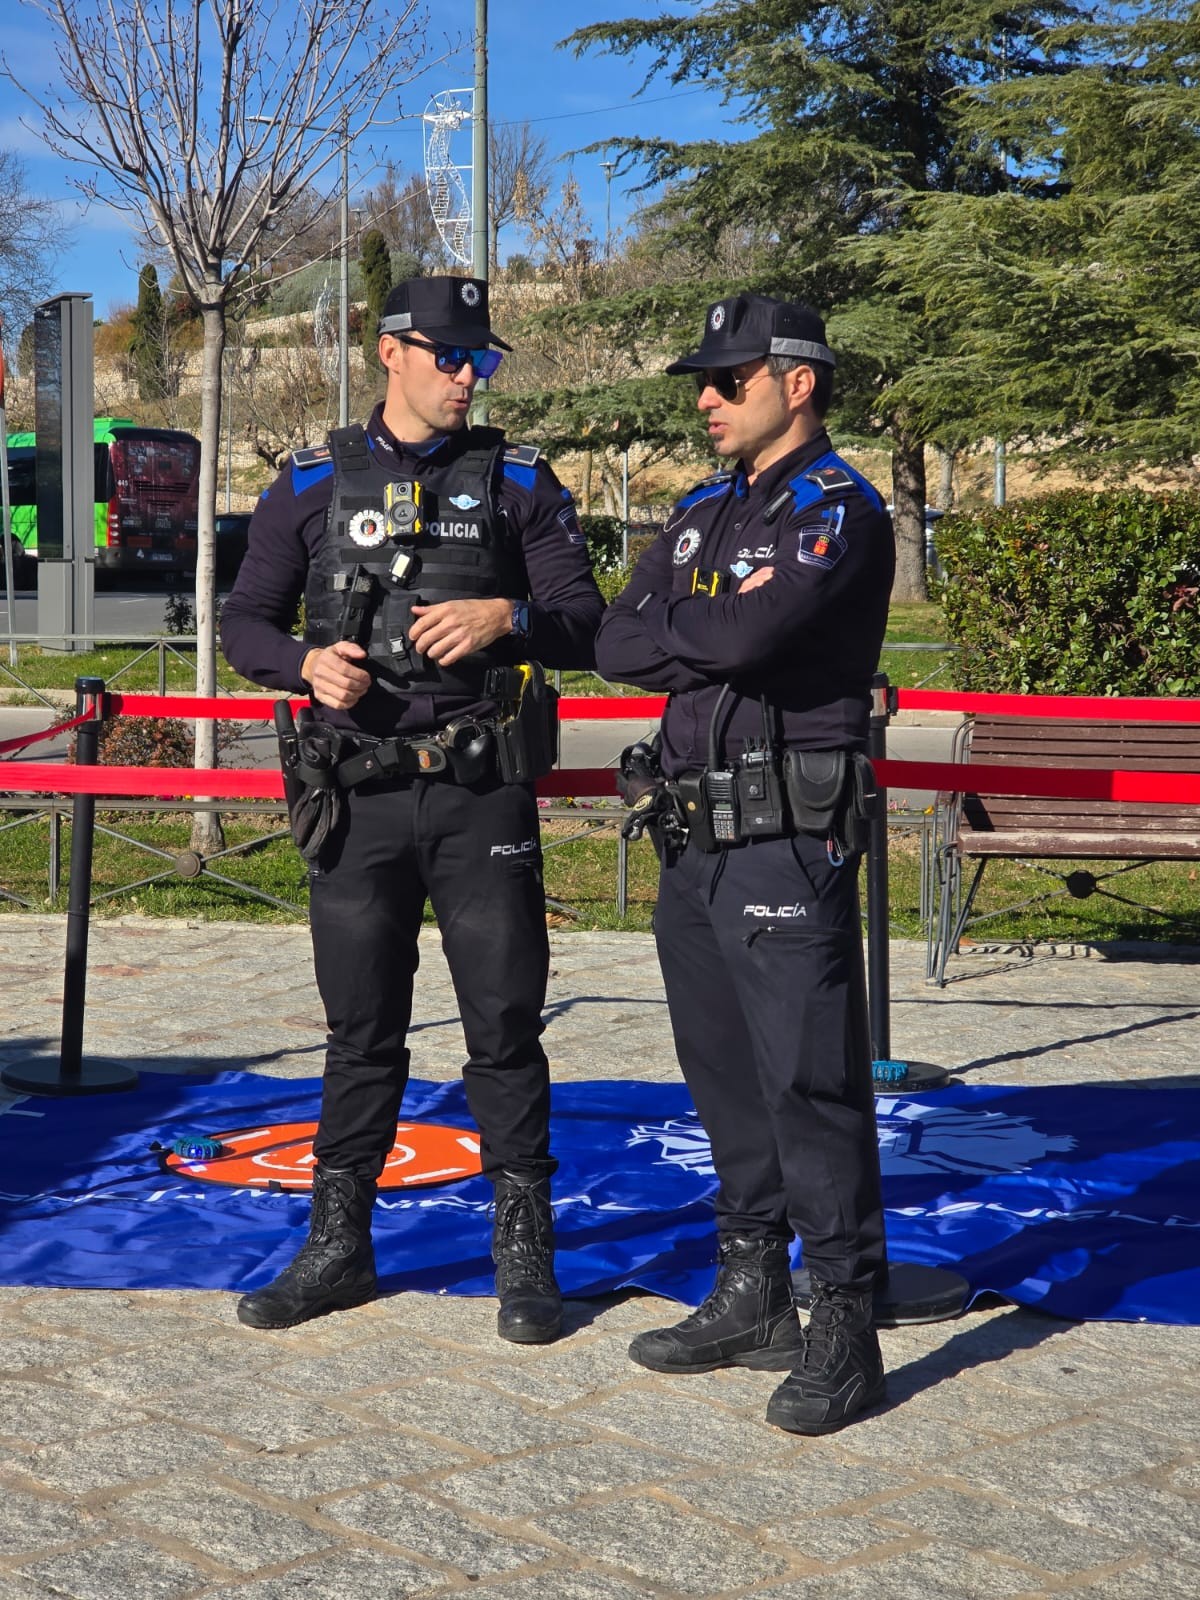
{"x": 153, "y": 1449}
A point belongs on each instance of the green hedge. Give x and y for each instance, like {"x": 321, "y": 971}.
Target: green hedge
{"x": 1076, "y": 593}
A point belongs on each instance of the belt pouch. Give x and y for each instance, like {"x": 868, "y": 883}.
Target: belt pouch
{"x": 815, "y": 781}
{"x": 761, "y": 812}
{"x": 862, "y": 806}
{"x": 694, "y": 800}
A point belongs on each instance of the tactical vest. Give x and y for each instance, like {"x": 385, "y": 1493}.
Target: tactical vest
{"x": 370, "y": 570}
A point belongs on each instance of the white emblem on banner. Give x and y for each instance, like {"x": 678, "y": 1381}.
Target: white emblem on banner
{"x": 919, "y": 1138}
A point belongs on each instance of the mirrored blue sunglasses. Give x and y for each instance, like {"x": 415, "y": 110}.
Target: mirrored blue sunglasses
{"x": 452, "y": 358}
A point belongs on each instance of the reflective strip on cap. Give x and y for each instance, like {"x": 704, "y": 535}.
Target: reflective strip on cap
{"x": 803, "y": 348}
{"x": 398, "y": 322}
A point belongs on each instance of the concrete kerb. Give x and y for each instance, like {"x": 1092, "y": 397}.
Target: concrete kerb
{"x": 150, "y": 1446}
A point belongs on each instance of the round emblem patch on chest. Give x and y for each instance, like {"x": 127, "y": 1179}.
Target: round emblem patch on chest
{"x": 686, "y": 546}
{"x": 368, "y": 529}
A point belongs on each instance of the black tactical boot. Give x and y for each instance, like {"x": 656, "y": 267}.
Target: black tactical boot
{"x": 335, "y": 1267}
{"x": 523, "y": 1250}
{"x": 749, "y": 1320}
{"x": 840, "y": 1372}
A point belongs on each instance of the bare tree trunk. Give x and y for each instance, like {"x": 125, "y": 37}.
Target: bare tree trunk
{"x": 947, "y": 460}
{"x": 908, "y": 501}
{"x": 207, "y": 835}
{"x": 585, "y": 485}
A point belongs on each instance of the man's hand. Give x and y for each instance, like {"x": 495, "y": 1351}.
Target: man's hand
{"x": 335, "y": 679}
{"x": 451, "y": 629}
{"x": 756, "y": 579}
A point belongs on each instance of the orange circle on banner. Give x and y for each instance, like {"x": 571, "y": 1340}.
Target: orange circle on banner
{"x": 253, "y": 1158}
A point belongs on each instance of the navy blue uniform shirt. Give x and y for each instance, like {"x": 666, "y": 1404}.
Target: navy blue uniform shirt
{"x": 808, "y": 639}
{"x": 289, "y": 523}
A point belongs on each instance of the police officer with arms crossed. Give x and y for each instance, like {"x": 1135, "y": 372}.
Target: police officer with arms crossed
{"x": 432, "y": 560}
{"x": 761, "y": 610}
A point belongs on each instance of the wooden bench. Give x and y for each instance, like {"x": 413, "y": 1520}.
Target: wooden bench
{"x": 980, "y": 828}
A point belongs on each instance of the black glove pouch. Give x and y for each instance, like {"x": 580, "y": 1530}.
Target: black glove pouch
{"x": 815, "y": 781}
{"x": 832, "y": 794}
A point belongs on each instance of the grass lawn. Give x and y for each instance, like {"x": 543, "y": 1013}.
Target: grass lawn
{"x": 581, "y": 874}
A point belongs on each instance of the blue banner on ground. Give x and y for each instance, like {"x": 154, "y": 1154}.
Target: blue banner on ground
{"x": 1082, "y": 1201}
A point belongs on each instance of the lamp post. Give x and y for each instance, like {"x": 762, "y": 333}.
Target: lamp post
{"x": 608, "y": 168}
{"x": 479, "y": 179}
{"x": 344, "y": 285}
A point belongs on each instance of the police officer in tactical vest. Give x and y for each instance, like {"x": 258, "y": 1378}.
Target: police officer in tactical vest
{"x": 439, "y": 567}
{"x": 761, "y": 610}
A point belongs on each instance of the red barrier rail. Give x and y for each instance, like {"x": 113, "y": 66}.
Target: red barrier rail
{"x": 1099, "y": 708}
{"x": 247, "y": 708}
{"x": 228, "y": 783}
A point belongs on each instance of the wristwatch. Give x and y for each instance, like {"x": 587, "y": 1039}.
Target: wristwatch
{"x": 520, "y": 619}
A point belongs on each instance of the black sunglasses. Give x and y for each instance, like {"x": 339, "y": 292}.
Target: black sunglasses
{"x": 723, "y": 379}
{"x": 452, "y": 358}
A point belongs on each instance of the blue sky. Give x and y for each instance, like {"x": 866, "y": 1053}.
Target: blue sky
{"x": 570, "y": 102}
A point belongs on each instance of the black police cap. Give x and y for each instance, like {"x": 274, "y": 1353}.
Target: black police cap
{"x": 451, "y": 310}
{"x": 750, "y": 325}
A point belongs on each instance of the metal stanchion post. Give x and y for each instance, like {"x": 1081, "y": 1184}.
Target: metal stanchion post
{"x": 70, "y": 1074}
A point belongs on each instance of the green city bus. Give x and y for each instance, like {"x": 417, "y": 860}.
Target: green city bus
{"x": 147, "y": 486}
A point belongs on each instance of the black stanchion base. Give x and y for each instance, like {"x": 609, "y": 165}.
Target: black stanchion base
{"x": 913, "y": 1294}
{"x": 46, "y": 1077}
{"x": 918, "y": 1076}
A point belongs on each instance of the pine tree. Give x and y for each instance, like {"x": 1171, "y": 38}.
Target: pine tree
{"x": 1074, "y": 295}
{"x": 147, "y": 344}
{"x": 853, "y": 107}
{"x": 376, "y": 267}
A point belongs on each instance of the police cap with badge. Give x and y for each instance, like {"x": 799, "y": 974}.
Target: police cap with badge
{"x": 747, "y": 326}
{"x": 451, "y": 310}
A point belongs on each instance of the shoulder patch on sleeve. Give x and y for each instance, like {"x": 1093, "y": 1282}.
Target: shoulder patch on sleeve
{"x": 831, "y": 479}
{"x": 821, "y": 543}
{"x": 523, "y": 455}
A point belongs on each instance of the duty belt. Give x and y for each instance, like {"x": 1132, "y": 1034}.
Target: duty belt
{"x": 427, "y": 756}
{"x": 392, "y": 758}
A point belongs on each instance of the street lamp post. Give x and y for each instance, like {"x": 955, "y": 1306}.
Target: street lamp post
{"x": 344, "y": 286}
{"x": 608, "y": 168}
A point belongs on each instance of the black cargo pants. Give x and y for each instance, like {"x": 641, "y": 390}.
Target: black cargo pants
{"x": 476, "y": 853}
{"x": 761, "y": 952}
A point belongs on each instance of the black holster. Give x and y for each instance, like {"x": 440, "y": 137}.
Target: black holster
{"x": 527, "y": 741}
{"x": 308, "y": 756}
